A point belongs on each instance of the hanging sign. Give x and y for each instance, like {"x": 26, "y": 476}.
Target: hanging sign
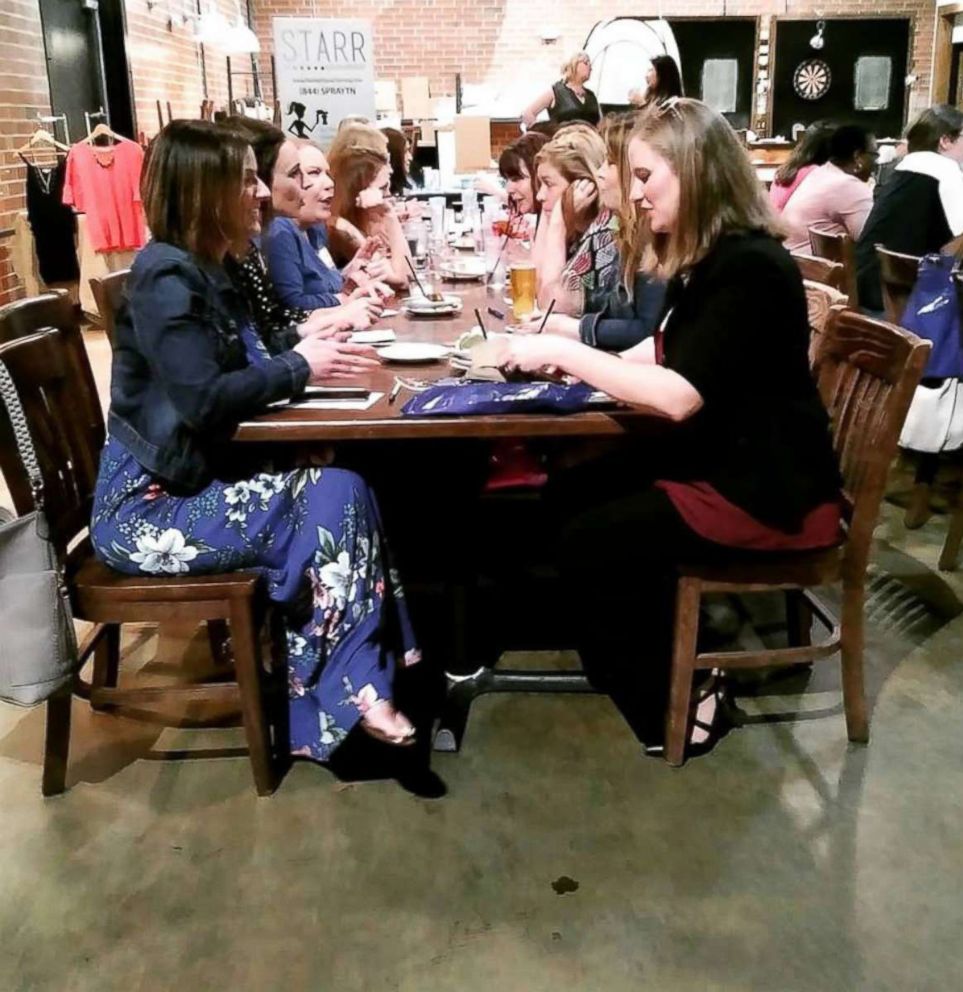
{"x": 324, "y": 68}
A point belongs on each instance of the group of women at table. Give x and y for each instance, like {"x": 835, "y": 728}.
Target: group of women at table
{"x": 654, "y": 236}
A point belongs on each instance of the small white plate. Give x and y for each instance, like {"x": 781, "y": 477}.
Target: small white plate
{"x": 413, "y": 351}
{"x": 387, "y": 336}
{"x": 423, "y": 304}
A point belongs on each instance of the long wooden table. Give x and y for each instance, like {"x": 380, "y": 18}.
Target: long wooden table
{"x": 385, "y": 421}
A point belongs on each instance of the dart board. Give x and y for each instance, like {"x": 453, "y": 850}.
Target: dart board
{"x": 811, "y": 79}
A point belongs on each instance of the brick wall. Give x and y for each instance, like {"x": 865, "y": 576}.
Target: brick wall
{"x": 490, "y": 41}
{"x": 166, "y": 65}
{"x": 23, "y": 92}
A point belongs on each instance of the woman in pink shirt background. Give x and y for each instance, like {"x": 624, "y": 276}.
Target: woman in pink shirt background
{"x": 811, "y": 151}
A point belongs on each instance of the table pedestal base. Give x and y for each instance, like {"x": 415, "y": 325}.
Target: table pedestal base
{"x": 463, "y": 689}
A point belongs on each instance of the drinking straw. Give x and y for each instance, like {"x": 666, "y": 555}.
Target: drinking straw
{"x": 481, "y": 323}
{"x": 548, "y": 313}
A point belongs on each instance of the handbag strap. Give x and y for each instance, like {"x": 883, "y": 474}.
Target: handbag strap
{"x": 21, "y": 433}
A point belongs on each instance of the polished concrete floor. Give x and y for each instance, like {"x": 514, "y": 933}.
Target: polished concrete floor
{"x": 786, "y": 861}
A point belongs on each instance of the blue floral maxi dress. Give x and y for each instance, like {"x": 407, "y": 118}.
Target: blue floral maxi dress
{"x": 314, "y": 534}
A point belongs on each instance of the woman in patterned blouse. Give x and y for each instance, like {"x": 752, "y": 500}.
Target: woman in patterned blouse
{"x": 578, "y": 260}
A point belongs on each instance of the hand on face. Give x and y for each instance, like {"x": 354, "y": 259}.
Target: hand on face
{"x": 584, "y": 194}
{"x": 369, "y": 198}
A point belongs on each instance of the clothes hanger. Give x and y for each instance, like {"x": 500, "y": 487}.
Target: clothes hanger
{"x": 42, "y": 136}
{"x": 102, "y": 131}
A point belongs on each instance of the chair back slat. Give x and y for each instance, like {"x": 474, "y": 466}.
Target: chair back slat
{"x": 821, "y": 270}
{"x": 867, "y": 371}
{"x": 897, "y": 276}
{"x": 838, "y": 248}
{"x": 109, "y": 295}
{"x": 820, "y": 299}
{"x": 43, "y": 372}
{"x": 54, "y": 309}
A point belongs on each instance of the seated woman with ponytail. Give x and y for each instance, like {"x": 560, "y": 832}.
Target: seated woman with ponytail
{"x": 175, "y": 497}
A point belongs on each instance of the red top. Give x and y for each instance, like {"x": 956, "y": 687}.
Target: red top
{"x": 713, "y": 517}
{"x": 103, "y": 182}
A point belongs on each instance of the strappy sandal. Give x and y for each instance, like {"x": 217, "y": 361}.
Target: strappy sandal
{"x": 722, "y": 721}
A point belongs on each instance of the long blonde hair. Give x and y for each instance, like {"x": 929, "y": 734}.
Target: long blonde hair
{"x": 578, "y": 152}
{"x": 355, "y": 136}
{"x": 616, "y": 130}
{"x": 719, "y": 192}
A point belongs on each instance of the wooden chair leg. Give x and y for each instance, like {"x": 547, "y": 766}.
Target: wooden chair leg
{"x": 851, "y": 650}
{"x": 685, "y": 637}
{"x": 799, "y": 619}
{"x": 954, "y": 536}
{"x": 106, "y": 661}
{"x": 57, "y": 743}
{"x": 218, "y": 637}
{"x": 247, "y": 667}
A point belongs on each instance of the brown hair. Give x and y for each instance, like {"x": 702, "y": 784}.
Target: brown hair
{"x": 191, "y": 187}
{"x": 578, "y": 152}
{"x": 719, "y": 192}
{"x": 397, "y": 149}
{"x": 615, "y": 130}
{"x": 354, "y": 136}
{"x": 522, "y": 151}
{"x": 942, "y": 120}
{"x": 353, "y": 170}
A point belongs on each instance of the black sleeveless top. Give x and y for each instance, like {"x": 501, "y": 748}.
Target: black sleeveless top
{"x": 568, "y": 107}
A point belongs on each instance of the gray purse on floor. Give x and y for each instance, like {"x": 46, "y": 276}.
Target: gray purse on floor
{"x": 38, "y": 647}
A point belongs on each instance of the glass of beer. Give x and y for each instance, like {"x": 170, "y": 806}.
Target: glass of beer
{"x": 522, "y": 276}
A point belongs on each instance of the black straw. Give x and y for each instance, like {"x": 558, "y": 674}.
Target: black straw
{"x": 548, "y": 313}
{"x": 501, "y": 252}
{"x": 481, "y": 323}
{"x": 417, "y": 280}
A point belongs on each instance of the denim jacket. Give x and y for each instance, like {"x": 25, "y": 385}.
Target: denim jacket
{"x": 621, "y": 323}
{"x": 181, "y": 381}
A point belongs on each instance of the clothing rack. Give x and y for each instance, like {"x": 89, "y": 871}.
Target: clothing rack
{"x": 102, "y": 114}
{"x": 55, "y": 119}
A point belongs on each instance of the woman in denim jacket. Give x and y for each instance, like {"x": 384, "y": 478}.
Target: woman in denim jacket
{"x": 173, "y": 497}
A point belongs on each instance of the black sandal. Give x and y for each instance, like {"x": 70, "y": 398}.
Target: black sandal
{"x": 722, "y": 720}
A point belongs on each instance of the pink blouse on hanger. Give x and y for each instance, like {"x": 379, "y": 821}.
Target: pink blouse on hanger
{"x": 103, "y": 182}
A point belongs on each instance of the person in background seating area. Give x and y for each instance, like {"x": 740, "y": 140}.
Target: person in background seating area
{"x": 663, "y": 81}
{"x": 569, "y": 99}
{"x": 835, "y": 197}
{"x": 811, "y": 151}
{"x": 920, "y": 209}
{"x": 173, "y": 497}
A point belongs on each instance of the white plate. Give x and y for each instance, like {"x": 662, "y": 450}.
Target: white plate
{"x": 413, "y": 351}
{"x": 465, "y": 270}
{"x": 386, "y": 336}
{"x": 424, "y": 305}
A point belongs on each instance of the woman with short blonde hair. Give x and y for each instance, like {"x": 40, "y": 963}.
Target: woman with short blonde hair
{"x": 569, "y": 99}
{"x": 743, "y": 462}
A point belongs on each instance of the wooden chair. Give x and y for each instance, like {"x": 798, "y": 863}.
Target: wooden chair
{"x": 897, "y": 274}
{"x": 68, "y": 449}
{"x": 867, "y": 371}
{"x": 821, "y": 270}
{"x": 838, "y": 248}
{"x": 820, "y": 299}
{"x": 109, "y": 294}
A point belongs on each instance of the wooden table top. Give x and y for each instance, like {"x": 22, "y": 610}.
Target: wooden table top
{"x": 385, "y": 421}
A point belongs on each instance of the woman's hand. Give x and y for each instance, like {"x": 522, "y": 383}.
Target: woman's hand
{"x": 336, "y": 359}
{"x": 584, "y": 194}
{"x": 527, "y": 353}
{"x": 369, "y": 198}
{"x": 322, "y": 324}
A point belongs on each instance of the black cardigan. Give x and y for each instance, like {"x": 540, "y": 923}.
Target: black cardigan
{"x": 737, "y": 330}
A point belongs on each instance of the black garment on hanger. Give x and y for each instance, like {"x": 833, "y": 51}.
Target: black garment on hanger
{"x": 52, "y": 223}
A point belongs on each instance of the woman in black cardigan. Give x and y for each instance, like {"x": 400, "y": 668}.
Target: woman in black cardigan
{"x": 744, "y": 464}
